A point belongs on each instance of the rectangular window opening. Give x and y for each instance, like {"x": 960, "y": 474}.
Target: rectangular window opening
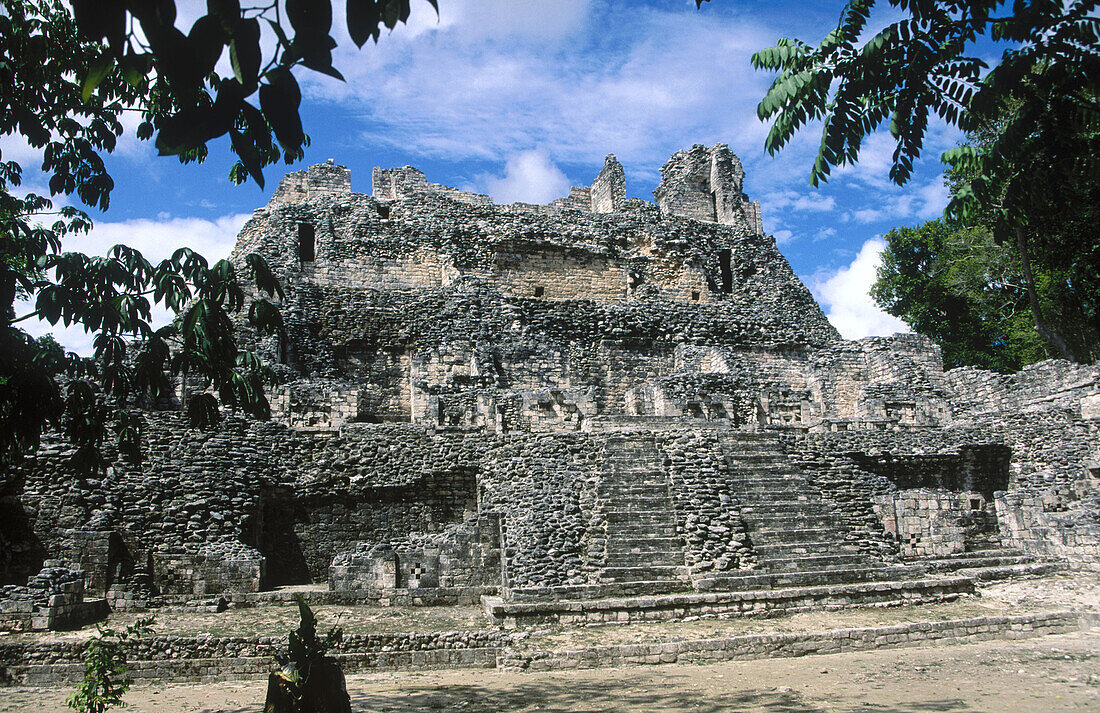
{"x": 727, "y": 270}
{"x": 383, "y": 210}
{"x": 307, "y": 248}
{"x": 540, "y": 291}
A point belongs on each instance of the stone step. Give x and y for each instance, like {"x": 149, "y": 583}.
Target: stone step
{"x": 793, "y": 549}
{"x": 766, "y": 474}
{"x": 622, "y": 490}
{"x": 643, "y": 520}
{"x": 764, "y": 508}
{"x": 806, "y": 563}
{"x": 806, "y": 534}
{"x": 777, "y": 483}
{"x": 949, "y": 564}
{"x": 640, "y": 518}
{"x": 761, "y": 464}
{"x": 759, "y": 579}
{"x": 618, "y": 480}
{"x": 987, "y": 552}
{"x": 641, "y": 475}
{"x": 642, "y": 574}
{"x": 757, "y": 457}
{"x": 635, "y": 543}
{"x": 634, "y": 457}
{"x": 593, "y": 604}
{"x": 634, "y": 463}
{"x": 775, "y": 491}
{"x": 643, "y": 493}
{"x": 635, "y": 506}
{"x": 671, "y": 558}
{"x": 662, "y": 543}
{"x": 758, "y": 521}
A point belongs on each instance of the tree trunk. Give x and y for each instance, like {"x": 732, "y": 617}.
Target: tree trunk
{"x": 324, "y": 691}
{"x": 1052, "y": 337}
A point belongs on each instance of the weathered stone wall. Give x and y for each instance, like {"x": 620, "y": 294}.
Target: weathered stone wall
{"x": 1060, "y": 522}
{"x": 450, "y": 372}
{"x": 1047, "y": 384}
{"x": 395, "y": 183}
{"x": 706, "y": 184}
{"x": 255, "y": 504}
{"x": 609, "y": 188}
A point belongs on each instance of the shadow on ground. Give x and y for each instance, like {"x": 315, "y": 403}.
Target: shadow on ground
{"x": 551, "y": 696}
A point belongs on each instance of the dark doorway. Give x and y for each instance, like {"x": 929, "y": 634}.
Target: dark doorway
{"x": 727, "y": 270}
{"x": 307, "y": 248}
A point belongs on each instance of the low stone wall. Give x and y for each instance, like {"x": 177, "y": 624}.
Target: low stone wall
{"x": 211, "y": 658}
{"x": 371, "y": 596}
{"x": 672, "y": 607}
{"x": 760, "y": 646}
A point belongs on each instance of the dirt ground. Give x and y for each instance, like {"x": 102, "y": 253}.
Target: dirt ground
{"x": 1079, "y": 592}
{"x": 1059, "y": 673}
{"x": 1056, "y": 673}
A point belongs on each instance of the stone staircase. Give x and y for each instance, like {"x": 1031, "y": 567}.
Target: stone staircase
{"x": 639, "y": 525}
{"x": 790, "y": 527}
{"x": 636, "y": 550}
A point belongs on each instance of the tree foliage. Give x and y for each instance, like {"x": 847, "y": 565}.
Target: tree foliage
{"x": 105, "y": 668}
{"x": 67, "y": 75}
{"x": 972, "y": 294}
{"x": 959, "y": 287}
{"x": 1041, "y": 96}
{"x": 187, "y": 103}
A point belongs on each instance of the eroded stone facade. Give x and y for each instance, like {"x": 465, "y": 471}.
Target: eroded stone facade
{"x": 598, "y": 396}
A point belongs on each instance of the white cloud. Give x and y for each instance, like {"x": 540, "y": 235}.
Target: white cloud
{"x": 14, "y": 147}
{"x": 844, "y": 295}
{"x": 530, "y": 177}
{"x": 488, "y": 81}
{"x": 156, "y": 240}
{"x": 792, "y": 200}
{"x": 933, "y": 198}
{"x": 532, "y": 20}
{"x": 868, "y": 215}
{"x": 783, "y": 237}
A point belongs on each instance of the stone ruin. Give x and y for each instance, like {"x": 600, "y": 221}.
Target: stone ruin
{"x": 602, "y": 396}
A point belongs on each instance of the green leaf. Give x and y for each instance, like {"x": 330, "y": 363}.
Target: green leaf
{"x": 202, "y": 411}
{"x": 96, "y": 73}
{"x": 244, "y": 52}
{"x": 261, "y": 272}
{"x": 363, "y": 17}
{"x": 207, "y": 39}
{"x": 280, "y": 99}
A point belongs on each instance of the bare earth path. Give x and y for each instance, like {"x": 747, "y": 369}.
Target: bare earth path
{"x": 1056, "y": 673}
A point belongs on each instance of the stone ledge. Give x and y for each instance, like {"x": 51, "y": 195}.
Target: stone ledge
{"x": 428, "y": 596}
{"x": 667, "y": 607}
{"x": 241, "y": 665}
{"x": 758, "y": 646}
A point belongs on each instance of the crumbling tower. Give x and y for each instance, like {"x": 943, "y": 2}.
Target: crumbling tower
{"x": 706, "y": 184}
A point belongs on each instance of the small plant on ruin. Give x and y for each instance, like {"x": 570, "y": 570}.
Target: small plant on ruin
{"x": 308, "y": 681}
{"x": 105, "y": 668}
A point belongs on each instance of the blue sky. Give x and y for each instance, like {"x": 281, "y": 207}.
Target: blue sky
{"x": 523, "y": 99}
